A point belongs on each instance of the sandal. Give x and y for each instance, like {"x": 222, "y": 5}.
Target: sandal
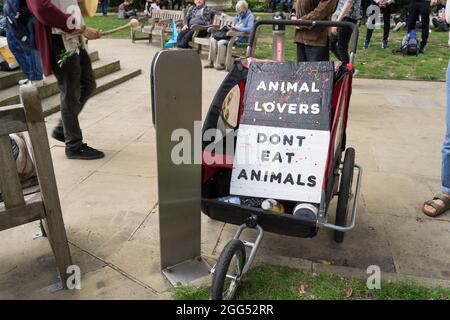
{"x": 439, "y": 209}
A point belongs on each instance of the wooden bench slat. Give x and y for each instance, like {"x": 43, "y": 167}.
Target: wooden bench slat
{"x": 29, "y": 212}
{"x": 12, "y": 120}
{"x": 9, "y": 178}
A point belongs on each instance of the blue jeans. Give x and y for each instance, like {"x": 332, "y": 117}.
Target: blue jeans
{"x": 105, "y": 7}
{"x": 445, "y": 188}
{"x": 29, "y": 62}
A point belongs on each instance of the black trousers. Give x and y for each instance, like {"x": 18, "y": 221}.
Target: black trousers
{"x": 422, "y": 9}
{"x": 386, "y": 24}
{"x": 76, "y": 82}
{"x": 312, "y": 53}
{"x": 185, "y": 36}
{"x": 339, "y": 42}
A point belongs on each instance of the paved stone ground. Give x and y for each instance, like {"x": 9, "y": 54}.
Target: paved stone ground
{"x": 110, "y": 205}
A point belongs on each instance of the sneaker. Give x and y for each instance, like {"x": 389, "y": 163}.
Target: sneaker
{"x": 220, "y": 67}
{"x": 384, "y": 45}
{"x": 209, "y": 65}
{"x": 57, "y": 134}
{"x": 37, "y": 83}
{"x": 366, "y": 44}
{"x": 422, "y": 48}
{"x": 84, "y": 152}
{"x": 23, "y": 81}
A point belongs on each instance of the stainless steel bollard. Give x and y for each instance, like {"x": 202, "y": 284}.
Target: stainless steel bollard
{"x": 176, "y": 85}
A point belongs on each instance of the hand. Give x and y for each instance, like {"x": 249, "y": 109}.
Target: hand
{"x": 232, "y": 27}
{"x": 81, "y": 29}
{"x": 91, "y": 34}
{"x": 185, "y": 27}
{"x": 333, "y": 30}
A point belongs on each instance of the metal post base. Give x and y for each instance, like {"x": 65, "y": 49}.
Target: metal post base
{"x": 187, "y": 271}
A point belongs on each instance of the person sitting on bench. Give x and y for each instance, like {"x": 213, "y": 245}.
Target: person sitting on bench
{"x": 200, "y": 14}
{"x": 242, "y": 22}
{"x": 125, "y": 11}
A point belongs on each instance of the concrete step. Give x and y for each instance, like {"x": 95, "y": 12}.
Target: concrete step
{"x": 51, "y": 104}
{"x": 101, "y": 68}
{"x": 10, "y": 79}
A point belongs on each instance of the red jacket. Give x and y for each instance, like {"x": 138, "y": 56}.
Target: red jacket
{"x": 48, "y": 16}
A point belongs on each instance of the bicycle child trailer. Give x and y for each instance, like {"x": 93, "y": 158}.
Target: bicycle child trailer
{"x": 286, "y": 162}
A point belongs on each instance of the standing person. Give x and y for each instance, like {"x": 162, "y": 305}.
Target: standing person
{"x": 104, "y": 7}
{"x": 55, "y": 38}
{"x": 19, "y": 17}
{"x": 441, "y": 203}
{"x": 385, "y": 6}
{"x": 312, "y": 42}
{"x": 420, "y": 8}
{"x": 273, "y": 5}
{"x": 200, "y": 14}
{"x": 348, "y": 11}
{"x": 242, "y": 22}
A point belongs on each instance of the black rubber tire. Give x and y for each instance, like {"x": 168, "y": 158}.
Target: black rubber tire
{"x": 345, "y": 187}
{"x": 233, "y": 247}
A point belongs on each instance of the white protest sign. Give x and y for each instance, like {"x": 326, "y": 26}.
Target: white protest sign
{"x": 283, "y": 139}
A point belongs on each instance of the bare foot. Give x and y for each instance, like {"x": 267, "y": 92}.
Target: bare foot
{"x": 430, "y": 211}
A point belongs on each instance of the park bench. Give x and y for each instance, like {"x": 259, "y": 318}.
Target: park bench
{"x": 158, "y": 24}
{"x": 20, "y": 206}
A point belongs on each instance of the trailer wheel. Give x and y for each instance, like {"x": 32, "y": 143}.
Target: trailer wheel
{"x": 345, "y": 188}
{"x": 228, "y": 271}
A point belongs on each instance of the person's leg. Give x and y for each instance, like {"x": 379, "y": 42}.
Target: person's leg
{"x": 105, "y": 7}
{"x": 369, "y": 34}
{"x": 386, "y": 22}
{"x": 183, "y": 38}
{"x": 344, "y": 35}
{"x": 314, "y": 53}
{"x": 87, "y": 80}
{"x": 334, "y": 45}
{"x": 301, "y": 54}
{"x": 429, "y": 210}
{"x": 87, "y": 86}
{"x": 221, "y": 55}
{"x": 445, "y": 188}
{"x": 69, "y": 82}
{"x": 425, "y": 18}
{"x": 35, "y": 64}
{"x": 435, "y": 22}
{"x": 412, "y": 17}
{"x": 19, "y": 54}
{"x": 212, "y": 56}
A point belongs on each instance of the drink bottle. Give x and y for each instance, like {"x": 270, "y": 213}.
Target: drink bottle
{"x": 272, "y": 205}
{"x": 306, "y": 211}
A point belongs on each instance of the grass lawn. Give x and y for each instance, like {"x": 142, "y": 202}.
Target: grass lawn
{"x": 372, "y": 63}
{"x": 283, "y": 283}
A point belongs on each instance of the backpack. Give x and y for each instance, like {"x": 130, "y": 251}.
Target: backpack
{"x": 409, "y": 44}
{"x": 3, "y": 26}
{"x": 20, "y": 23}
